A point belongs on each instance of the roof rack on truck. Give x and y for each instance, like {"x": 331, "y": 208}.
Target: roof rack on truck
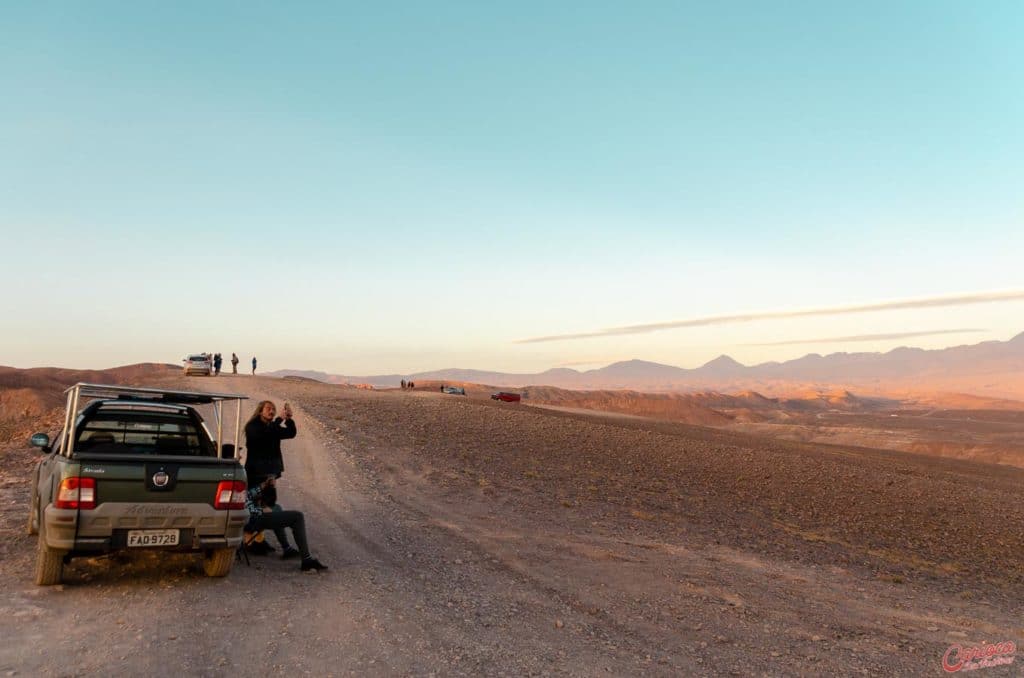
{"x": 149, "y": 396}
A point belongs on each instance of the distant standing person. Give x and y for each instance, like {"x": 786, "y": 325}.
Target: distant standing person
{"x": 254, "y": 364}
{"x": 234, "y": 364}
{"x": 217, "y": 362}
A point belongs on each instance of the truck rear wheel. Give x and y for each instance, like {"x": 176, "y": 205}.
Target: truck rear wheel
{"x": 49, "y": 562}
{"x": 217, "y": 563}
{"x": 33, "y": 511}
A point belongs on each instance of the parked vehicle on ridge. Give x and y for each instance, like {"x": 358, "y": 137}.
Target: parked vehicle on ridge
{"x": 198, "y": 363}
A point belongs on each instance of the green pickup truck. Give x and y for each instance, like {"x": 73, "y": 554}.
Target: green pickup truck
{"x": 134, "y": 469}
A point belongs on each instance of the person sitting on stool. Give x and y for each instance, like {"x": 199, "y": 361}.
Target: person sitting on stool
{"x": 266, "y": 517}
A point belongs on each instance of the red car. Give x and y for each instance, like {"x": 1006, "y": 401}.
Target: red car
{"x": 507, "y": 397}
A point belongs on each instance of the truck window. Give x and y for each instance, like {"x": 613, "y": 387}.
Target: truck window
{"x": 143, "y": 433}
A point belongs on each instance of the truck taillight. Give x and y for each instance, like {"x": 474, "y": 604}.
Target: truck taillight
{"x": 76, "y": 493}
{"x": 230, "y": 495}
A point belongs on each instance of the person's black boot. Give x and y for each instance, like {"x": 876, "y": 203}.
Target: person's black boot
{"x": 259, "y": 548}
{"x": 312, "y": 564}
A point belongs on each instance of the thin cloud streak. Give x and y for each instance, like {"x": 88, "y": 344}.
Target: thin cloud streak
{"x": 930, "y": 302}
{"x": 869, "y": 337}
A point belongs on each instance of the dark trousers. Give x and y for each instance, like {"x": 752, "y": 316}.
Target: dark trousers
{"x": 277, "y": 521}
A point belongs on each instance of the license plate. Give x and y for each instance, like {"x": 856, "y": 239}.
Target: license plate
{"x": 153, "y": 538}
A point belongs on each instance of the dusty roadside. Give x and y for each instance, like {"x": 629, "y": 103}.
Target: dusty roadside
{"x": 468, "y": 538}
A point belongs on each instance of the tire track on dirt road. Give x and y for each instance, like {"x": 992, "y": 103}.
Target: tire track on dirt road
{"x": 436, "y": 567}
{"x": 314, "y": 477}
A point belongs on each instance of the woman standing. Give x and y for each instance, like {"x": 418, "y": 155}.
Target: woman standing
{"x": 263, "y": 435}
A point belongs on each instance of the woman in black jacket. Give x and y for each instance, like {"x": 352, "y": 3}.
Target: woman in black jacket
{"x": 263, "y": 435}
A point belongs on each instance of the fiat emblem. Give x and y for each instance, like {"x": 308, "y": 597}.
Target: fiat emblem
{"x": 160, "y": 479}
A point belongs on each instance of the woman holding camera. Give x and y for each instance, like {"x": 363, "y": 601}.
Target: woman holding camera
{"x": 263, "y": 435}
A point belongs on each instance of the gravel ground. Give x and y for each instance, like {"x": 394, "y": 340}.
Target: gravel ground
{"x": 469, "y": 537}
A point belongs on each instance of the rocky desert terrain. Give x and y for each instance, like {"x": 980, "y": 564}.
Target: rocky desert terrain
{"x": 954, "y": 425}
{"x": 468, "y": 537}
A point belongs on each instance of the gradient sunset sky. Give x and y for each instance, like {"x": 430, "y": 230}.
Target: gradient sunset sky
{"x": 393, "y": 187}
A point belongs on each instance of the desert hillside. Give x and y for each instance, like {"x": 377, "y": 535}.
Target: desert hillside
{"x": 915, "y": 425}
{"x": 30, "y": 396}
{"x": 947, "y": 425}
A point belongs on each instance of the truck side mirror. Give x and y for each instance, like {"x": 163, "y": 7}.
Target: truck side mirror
{"x": 42, "y": 441}
{"x": 227, "y": 451}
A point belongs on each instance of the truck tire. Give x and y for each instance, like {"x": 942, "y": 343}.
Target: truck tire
{"x": 33, "y": 512}
{"x": 217, "y": 563}
{"x": 49, "y": 562}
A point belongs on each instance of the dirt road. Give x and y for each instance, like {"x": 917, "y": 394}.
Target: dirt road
{"x": 449, "y": 559}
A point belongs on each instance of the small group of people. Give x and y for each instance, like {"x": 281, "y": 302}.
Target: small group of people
{"x": 217, "y": 361}
{"x": 264, "y": 465}
{"x": 407, "y": 385}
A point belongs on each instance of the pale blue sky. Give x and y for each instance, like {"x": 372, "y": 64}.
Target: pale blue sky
{"x": 412, "y": 186}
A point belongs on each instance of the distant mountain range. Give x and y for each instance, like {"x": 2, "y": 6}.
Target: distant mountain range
{"x": 994, "y": 368}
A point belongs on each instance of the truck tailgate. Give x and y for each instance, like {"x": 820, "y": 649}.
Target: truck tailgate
{"x": 158, "y": 479}
{"x": 154, "y": 493}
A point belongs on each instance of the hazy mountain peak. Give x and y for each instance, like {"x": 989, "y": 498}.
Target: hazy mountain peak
{"x": 723, "y": 361}
{"x": 635, "y": 362}
{"x": 560, "y": 372}
{"x": 637, "y": 367}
